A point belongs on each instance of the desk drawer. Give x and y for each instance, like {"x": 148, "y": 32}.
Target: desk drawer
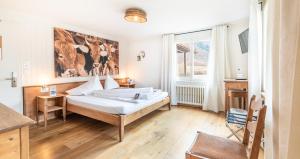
{"x": 10, "y": 144}
{"x": 236, "y": 85}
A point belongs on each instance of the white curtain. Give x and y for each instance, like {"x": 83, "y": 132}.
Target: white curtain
{"x": 283, "y": 77}
{"x": 168, "y": 72}
{"x": 255, "y": 49}
{"x": 271, "y": 49}
{"x": 214, "y": 94}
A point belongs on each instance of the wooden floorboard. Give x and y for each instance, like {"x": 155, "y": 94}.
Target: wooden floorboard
{"x": 159, "y": 135}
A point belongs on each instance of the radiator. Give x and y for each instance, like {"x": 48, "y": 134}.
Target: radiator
{"x": 190, "y": 94}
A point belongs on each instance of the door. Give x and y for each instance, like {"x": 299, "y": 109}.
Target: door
{"x": 10, "y": 62}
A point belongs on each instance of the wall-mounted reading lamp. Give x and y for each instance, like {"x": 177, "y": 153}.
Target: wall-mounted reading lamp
{"x": 141, "y": 55}
{"x": 44, "y": 81}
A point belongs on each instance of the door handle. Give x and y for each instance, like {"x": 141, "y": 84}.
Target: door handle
{"x": 13, "y": 80}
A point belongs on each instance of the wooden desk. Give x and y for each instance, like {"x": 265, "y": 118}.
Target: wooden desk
{"x": 233, "y": 84}
{"x": 14, "y": 134}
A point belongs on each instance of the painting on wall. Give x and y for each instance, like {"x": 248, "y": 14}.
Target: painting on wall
{"x": 79, "y": 55}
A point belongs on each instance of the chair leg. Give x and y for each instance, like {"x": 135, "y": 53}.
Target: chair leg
{"x": 246, "y": 103}
{"x": 230, "y": 103}
{"x": 234, "y": 132}
{"x": 240, "y": 103}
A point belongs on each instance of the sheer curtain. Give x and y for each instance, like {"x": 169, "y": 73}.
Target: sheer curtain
{"x": 214, "y": 94}
{"x": 255, "y": 49}
{"x": 283, "y": 76}
{"x": 286, "y": 78}
{"x": 168, "y": 73}
{"x": 271, "y": 49}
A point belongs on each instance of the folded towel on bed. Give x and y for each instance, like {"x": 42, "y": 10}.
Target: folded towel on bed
{"x": 130, "y": 94}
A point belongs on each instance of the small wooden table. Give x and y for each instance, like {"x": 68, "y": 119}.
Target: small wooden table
{"x": 48, "y": 104}
{"x": 127, "y": 85}
{"x": 233, "y": 84}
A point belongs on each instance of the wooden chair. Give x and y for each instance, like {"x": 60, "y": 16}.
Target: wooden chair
{"x": 240, "y": 94}
{"x": 208, "y": 146}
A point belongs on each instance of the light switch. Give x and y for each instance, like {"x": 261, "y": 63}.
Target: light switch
{"x": 26, "y": 66}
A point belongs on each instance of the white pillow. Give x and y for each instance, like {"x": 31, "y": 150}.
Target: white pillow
{"x": 86, "y": 88}
{"x": 110, "y": 83}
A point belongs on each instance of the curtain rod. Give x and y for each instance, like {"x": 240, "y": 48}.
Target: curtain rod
{"x": 196, "y": 31}
{"x": 193, "y": 31}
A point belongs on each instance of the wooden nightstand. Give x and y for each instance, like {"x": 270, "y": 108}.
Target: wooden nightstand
{"x": 127, "y": 85}
{"x": 48, "y": 104}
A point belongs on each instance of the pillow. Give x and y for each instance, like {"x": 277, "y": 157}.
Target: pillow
{"x": 110, "y": 83}
{"x": 86, "y": 88}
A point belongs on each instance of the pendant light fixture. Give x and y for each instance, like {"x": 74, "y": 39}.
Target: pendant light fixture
{"x": 135, "y": 15}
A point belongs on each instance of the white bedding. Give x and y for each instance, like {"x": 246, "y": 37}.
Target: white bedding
{"x": 114, "y": 106}
{"x": 130, "y": 93}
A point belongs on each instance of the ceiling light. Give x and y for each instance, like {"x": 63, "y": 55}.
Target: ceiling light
{"x": 135, "y": 15}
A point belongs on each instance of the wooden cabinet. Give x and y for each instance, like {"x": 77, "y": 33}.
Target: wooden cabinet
{"x": 14, "y": 134}
{"x": 10, "y": 144}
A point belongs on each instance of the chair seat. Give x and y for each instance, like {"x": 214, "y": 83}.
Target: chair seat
{"x": 213, "y": 147}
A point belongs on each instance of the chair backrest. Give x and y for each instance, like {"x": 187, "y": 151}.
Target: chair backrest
{"x": 254, "y": 128}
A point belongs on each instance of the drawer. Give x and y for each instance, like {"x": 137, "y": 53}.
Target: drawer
{"x": 10, "y": 145}
{"x": 236, "y": 85}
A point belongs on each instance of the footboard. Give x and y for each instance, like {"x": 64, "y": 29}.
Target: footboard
{"x": 95, "y": 114}
{"x": 136, "y": 115}
{"x": 117, "y": 119}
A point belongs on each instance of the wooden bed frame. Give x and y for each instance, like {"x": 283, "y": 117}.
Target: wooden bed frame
{"x": 118, "y": 120}
{"x": 31, "y": 92}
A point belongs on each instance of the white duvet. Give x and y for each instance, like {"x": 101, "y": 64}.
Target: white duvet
{"x": 133, "y": 95}
{"x": 115, "y": 106}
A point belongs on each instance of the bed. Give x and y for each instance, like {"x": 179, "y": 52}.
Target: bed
{"x": 114, "y": 112}
{"x": 118, "y": 113}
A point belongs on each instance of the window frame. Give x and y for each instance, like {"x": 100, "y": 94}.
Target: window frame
{"x": 191, "y": 77}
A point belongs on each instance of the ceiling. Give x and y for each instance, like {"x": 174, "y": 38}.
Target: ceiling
{"x": 106, "y": 16}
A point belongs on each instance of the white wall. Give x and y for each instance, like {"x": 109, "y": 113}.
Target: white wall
{"x": 33, "y": 46}
{"x": 236, "y": 58}
{"x": 145, "y": 72}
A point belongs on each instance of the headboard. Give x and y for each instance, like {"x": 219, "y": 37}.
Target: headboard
{"x": 31, "y": 92}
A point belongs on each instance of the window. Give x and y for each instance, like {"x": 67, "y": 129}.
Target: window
{"x": 192, "y": 59}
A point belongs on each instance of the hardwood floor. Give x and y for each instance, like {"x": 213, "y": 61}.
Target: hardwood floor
{"x": 159, "y": 135}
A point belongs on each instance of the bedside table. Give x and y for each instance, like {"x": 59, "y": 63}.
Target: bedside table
{"x": 48, "y": 104}
{"x": 127, "y": 85}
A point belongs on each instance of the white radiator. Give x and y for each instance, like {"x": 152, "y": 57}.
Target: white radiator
{"x": 191, "y": 93}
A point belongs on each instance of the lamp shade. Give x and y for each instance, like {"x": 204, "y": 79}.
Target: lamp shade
{"x": 135, "y": 15}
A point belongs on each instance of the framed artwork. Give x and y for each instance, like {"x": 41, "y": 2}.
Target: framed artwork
{"x": 78, "y": 55}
